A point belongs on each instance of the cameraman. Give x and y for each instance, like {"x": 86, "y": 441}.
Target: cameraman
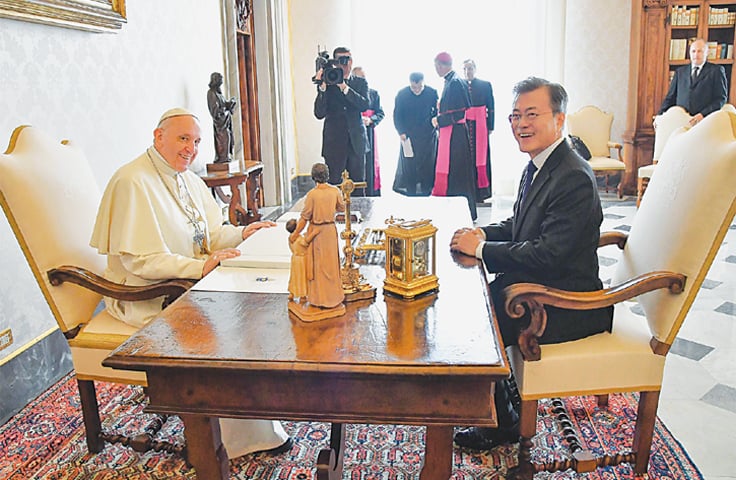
{"x": 343, "y": 133}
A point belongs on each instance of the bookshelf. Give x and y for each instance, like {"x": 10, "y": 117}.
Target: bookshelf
{"x": 661, "y": 31}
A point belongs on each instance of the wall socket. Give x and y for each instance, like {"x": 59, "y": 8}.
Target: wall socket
{"x": 6, "y": 338}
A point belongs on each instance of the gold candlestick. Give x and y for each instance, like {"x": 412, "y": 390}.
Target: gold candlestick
{"x": 353, "y": 283}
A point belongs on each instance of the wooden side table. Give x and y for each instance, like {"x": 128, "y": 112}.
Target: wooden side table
{"x": 252, "y": 177}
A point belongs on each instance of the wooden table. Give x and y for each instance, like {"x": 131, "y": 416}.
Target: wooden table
{"x": 432, "y": 361}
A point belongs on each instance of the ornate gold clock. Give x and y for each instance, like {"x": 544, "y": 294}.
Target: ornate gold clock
{"x": 410, "y": 257}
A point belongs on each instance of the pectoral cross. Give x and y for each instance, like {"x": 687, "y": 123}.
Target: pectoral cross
{"x": 352, "y": 281}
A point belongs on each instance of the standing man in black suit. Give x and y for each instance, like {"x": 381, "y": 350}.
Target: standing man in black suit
{"x": 699, "y": 88}
{"x": 551, "y": 238}
{"x": 343, "y": 133}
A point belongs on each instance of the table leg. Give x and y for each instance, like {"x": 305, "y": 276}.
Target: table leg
{"x": 253, "y": 196}
{"x": 205, "y": 450}
{"x": 437, "y": 454}
{"x": 237, "y": 214}
{"x": 330, "y": 460}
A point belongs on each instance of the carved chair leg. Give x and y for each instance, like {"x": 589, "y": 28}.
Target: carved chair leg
{"x": 91, "y": 415}
{"x": 644, "y": 430}
{"x": 527, "y": 429}
{"x": 96, "y": 437}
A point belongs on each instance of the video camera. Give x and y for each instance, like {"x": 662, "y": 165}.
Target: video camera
{"x": 332, "y": 68}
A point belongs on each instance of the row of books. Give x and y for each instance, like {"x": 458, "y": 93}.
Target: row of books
{"x": 719, "y": 50}
{"x": 681, "y": 15}
{"x": 721, "y": 16}
{"x": 679, "y": 48}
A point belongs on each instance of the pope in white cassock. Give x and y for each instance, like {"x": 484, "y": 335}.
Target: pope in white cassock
{"x": 157, "y": 220}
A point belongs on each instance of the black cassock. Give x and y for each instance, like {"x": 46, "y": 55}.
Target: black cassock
{"x": 460, "y": 178}
{"x": 413, "y": 117}
{"x": 372, "y": 172}
{"x": 481, "y": 95}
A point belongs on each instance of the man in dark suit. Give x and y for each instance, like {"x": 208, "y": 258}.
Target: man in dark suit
{"x": 551, "y": 238}
{"x": 699, "y": 88}
{"x": 343, "y": 132}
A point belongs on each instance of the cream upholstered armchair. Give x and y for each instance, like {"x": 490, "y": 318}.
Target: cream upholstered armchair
{"x": 665, "y": 124}
{"x": 593, "y": 126}
{"x": 676, "y": 233}
{"x": 53, "y": 225}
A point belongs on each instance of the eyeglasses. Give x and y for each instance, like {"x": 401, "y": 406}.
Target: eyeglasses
{"x": 529, "y": 116}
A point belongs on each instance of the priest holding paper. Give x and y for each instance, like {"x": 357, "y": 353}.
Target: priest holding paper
{"x": 414, "y": 108}
{"x": 156, "y": 221}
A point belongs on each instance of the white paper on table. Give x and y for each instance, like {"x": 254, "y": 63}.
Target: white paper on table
{"x": 406, "y": 147}
{"x": 236, "y": 279}
{"x": 266, "y": 248}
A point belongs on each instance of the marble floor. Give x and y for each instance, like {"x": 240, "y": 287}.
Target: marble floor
{"x": 698, "y": 400}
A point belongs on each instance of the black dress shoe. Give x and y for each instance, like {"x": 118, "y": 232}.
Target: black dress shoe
{"x": 284, "y": 447}
{"x": 483, "y": 438}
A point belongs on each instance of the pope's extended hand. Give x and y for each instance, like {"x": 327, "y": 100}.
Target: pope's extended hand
{"x": 255, "y": 226}
{"x": 217, "y": 256}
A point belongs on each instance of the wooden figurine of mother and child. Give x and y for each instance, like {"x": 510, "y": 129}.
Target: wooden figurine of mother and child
{"x": 315, "y": 285}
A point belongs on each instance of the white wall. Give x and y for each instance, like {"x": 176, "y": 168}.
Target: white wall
{"x": 597, "y": 43}
{"x": 313, "y": 22}
{"x": 106, "y": 92}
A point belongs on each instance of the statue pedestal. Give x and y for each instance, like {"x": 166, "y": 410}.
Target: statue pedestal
{"x": 310, "y": 313}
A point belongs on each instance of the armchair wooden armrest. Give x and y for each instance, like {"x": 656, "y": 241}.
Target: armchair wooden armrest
{"x": 613, "y": 237}
{"x": 532, "y": 297}
{"x": 619, "y": 148}
{"x": 171, "y": 289}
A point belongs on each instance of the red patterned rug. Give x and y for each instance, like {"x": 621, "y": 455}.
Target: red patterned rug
{"x": 46, "y": 441}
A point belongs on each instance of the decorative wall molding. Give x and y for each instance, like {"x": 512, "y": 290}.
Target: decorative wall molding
{"x": 655, "y": 3}
{"x": 100, "y": 16}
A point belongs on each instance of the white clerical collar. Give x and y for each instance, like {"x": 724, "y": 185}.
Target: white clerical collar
{"x": 160, "y": 163}
{"x": 539, "y": 160}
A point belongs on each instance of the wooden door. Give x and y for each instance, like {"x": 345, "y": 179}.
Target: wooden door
{"x": 247, "y": 73}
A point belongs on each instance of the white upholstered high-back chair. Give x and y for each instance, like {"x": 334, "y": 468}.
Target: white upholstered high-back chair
{"x": 593, "y": 126}
{"x": 676, "y": 233}
{"x": 50, "y": 197}
{"x": 665, "y": 124}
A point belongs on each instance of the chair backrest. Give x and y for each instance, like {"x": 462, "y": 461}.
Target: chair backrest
{"x": 593, "y": 126}
{"x": 50, "y": 198}
{"x": 683, "y": 218}
{"x": 674, "y": 118}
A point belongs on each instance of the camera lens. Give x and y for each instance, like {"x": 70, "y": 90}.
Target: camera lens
{"x": 333, "y": 76}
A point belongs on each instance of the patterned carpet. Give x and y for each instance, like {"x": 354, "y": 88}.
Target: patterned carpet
{"x": 46, "y": 441}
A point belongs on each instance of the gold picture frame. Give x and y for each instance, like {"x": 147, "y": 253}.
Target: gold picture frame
{"x": 100, "y": 16}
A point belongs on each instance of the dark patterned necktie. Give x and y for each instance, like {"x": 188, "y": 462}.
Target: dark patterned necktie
{"x": 528, "y": 177}
{"x": 694, "y": 75}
